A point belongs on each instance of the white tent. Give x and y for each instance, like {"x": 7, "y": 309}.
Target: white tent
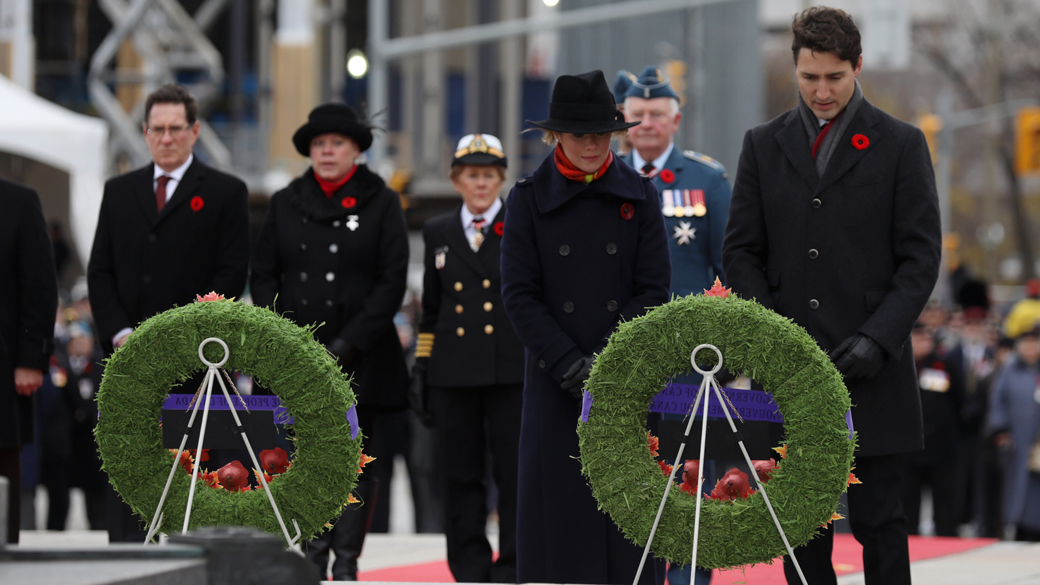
{"x": 35, "y": 128}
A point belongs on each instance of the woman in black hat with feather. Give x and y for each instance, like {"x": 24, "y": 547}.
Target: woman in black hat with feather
{"x": 333, "y": 249}
{"x": 584, "y": 247}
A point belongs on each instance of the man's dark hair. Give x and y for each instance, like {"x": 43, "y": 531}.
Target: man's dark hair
{"x": 171, "y": 93}
{"x": 822, "y": 29}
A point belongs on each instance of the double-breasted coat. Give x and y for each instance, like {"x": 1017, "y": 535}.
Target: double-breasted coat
{"x": 576, "y": 259}
{"x": 28, "y": 301}
{"x": 694, "y": 242}
{"x": 342, "y": 261}
{"x": 854, "y": 251}
{"x": 1015, "y": 408}
{"x": 474, "y": 342}
{"x": 144, "y": 262}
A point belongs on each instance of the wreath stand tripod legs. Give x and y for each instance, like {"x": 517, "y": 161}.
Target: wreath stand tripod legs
{"x": 708, "y": 383}
{"x": 211, "y": 374}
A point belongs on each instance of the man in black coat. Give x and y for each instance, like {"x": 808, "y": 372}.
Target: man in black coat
{"x": 168, "y": 231}
{"x": 835, "y": 223}
{"x": 28, "y": 301}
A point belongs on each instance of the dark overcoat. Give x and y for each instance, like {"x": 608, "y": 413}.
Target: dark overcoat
{"x": 144, "y": 262}
{"x": 341, "y": 261}
{"x": 856, "y": 250}
{"x": 694, "y": 242}
{"x": 474, "y": 342}
{"x": 28, "y": 302}
{"x": 576, "y": 260}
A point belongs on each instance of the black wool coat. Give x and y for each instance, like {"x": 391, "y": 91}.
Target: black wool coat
{"x": 854, "y": 251}
{"x": 28, "y": 302}
{"x": 577, "y": 259}
{"x": 474, "y": 342}
{"x": 144, "y": 262}
{"x": 341, "y": 261}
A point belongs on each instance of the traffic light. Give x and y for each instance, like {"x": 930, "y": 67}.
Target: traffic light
{"x": 1027, "y": 141}
{"x": 931, "y": 125}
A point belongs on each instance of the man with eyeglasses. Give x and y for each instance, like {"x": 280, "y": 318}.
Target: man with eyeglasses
{"x": 166, "y": 232}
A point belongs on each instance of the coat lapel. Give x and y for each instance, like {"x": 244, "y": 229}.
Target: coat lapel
{"x": 146, "y": 192}
{"x": 795, "y": 145}
{"x": 846, "y": 155}
{"x": 185, "y": 189}
{"x": 457, "y": 241}
{"x": 491, "y": 248}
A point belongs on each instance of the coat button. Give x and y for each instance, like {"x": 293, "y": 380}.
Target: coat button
{"x": 611, "y": 306}
{"x": 330, "y": 276}
{"x": 303, "y": 277}
{"x": 459, "y": 309}
{"x": 303, "y": 302}
{"x": 814, "y": 304}
{"x": 611, "y": 249}
{"x": 151, "y": 238}
{"x": 147, "y": 278}
{"x": 816, "y": 203}
{"x": 489, "y": 329}
{"x": 336, "y": 223}
{"x": 329, "y": 303}
{"x": 333, "y": 248}
{"x": 486, "y": 283}
{"x": 541, "y": 364}
{"x": 303, "y": 220}
{"x": 564, "y": 250}
{"x": 487, "y": 307}
{"x": 460, "y": 332}
{"x": 568, "y": 307}
{"x": 458, "y": 286}
{"x": 813, "y": 254}
{"x": 303, "y": 247}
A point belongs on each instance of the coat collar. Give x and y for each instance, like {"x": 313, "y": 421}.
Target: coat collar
{"x": 306, "y": 195}
{"x": 795, "y": 144}
{"x": 554, "y": 190}
{"x": 489, "y": 249}
{"x": 189, "y": 183}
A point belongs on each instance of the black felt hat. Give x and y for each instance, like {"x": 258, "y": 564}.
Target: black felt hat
{"x": 337, "y": 118}
{"x": 583, "y": 104}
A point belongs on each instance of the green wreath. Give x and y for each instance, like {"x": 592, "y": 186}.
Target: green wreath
{"x": 277, "y": 353}
{"x": 627, "y": 482}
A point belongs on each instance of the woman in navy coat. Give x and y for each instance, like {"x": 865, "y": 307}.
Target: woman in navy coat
{"x": 584, "y": 247}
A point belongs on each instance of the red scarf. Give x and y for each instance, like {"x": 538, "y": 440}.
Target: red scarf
{"x": 567, "y": 168}
{"x": 330, "y": 188}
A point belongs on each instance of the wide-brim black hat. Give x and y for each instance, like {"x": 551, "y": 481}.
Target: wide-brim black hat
{"x": 337, "y": 118}
{"x": 583, "y": 104}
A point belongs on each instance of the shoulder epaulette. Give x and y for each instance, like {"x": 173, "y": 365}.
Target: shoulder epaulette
{"x": 705, "y": 160}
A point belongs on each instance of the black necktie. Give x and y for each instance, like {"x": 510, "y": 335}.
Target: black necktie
{"x": 648, "y": 168}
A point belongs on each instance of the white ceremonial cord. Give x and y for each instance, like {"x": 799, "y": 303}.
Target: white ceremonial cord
{"x": 210, "y": 374}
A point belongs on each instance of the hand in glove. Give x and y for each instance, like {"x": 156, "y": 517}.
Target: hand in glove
{"x": 418, "y": 395}
{"x": 858, "y": 357}
{"x": 575, "y": 376}
{"x": 343, "y": 350}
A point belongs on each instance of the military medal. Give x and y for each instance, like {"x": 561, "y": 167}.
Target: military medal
{"x": 352, "y": 222}
{"x": 440, "y": 258}
{"x": 684, "y": 233}
{"x": 669, "y": 206}
{"x": 699, "y": 208}
{"x": 677, "y": 196}
{"x": 688, "y": 201}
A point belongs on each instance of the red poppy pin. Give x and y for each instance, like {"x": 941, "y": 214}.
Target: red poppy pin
{"x": 500, "y": 228}
{"x": 197, "y": 203}
{"x": 860, "y": 142}
{"x": 348, "y": 202}
{"x": 667, "y": 176}
{"x": 627, "y": 211}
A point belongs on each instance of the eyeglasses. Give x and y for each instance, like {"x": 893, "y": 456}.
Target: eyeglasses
{"x": 175, "y": 131}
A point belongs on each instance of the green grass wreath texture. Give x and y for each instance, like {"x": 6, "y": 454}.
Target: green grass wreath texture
{"x": 642, "y": 356}
{"x": 277, "y": 353}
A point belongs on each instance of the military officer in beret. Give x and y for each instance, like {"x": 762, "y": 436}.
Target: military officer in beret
{"x": 333, "y": 250}
{"x": 469, "y": 367}
{"x": 694, "y": 187}
{"x": 584, "y": 249}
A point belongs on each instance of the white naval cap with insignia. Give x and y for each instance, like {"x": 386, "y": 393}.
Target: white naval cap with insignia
{"x": 479, "y": 149}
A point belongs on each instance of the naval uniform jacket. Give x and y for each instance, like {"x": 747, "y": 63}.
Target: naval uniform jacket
{"x": 341, "y": 261}
{"x": 576, "y": 260}
{"x": 144, "y": 262}
{"x": 854, "y": 251}
{"x": 28, "y": 300}
{"x": 694, "y": 242}
{"x": 474, "y": 343}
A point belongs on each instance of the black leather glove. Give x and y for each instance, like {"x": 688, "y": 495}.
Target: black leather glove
{"x": 575, "y": 376}
{"x": 418, "y": 395}
{"x": 344, "y": 351}
{"x": 858, "y": 357}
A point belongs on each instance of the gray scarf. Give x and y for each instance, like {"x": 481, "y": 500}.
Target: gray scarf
{"x": 834, "y": 136}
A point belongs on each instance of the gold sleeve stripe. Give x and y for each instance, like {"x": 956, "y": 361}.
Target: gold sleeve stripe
{"x": 424, "y": 346}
